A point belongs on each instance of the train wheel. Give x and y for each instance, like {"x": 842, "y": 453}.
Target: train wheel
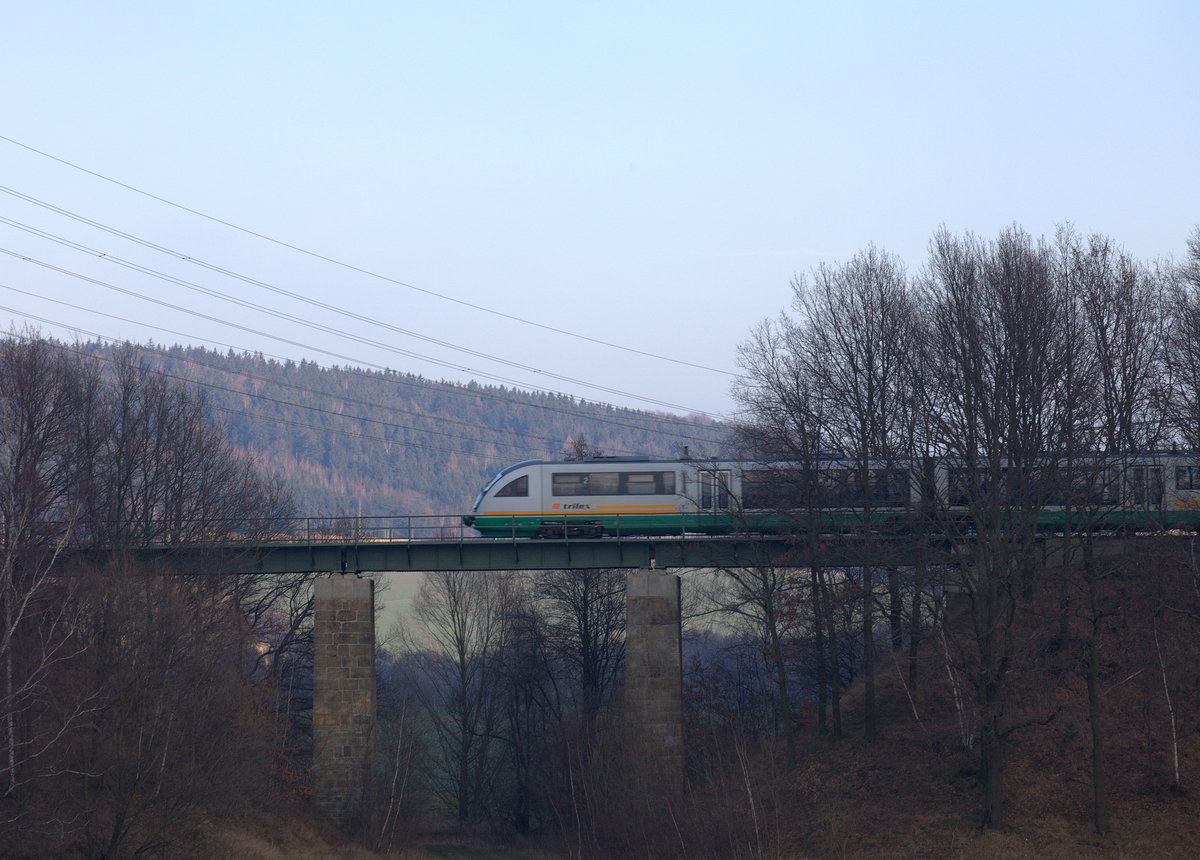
{"x": 549, "y": 530}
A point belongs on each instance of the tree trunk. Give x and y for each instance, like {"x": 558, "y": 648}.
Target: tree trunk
{"x": 993, "y": 613}
{"x": 895, "y": 608}
{"x": 914, "y": 638}
{"x": 835, "y": 668}
{"x": 783, "y": 708}
{"x": 991, "y": 762}
{"x": 868, "y": 631}
{"x": 822, "y": 665}
{"x": 1095, "y": 708}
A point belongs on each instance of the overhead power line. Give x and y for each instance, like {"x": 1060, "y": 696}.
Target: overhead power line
{"x": 363, "y": 271}
{"x": 294, "y": 319}
{"x": 302, "y": 321}
{"x": 325, "y": 306}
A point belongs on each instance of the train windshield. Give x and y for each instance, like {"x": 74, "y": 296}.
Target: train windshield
{"x": 499, "y": 475}
{"x": 486, "y": 487}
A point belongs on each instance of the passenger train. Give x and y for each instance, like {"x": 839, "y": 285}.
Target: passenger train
{"x": 631, "y": 496}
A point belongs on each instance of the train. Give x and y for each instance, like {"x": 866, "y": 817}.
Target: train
{"x": 643, "y": 496}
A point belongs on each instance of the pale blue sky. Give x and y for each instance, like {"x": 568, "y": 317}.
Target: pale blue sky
{"x": 652, "y": 175}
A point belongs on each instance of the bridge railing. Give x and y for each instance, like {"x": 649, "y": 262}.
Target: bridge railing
{"x": 443, "y": 527}
{"x": 315, "y": 530}
{"x": 403, "y": 528}
{"x": 393, "y": 529}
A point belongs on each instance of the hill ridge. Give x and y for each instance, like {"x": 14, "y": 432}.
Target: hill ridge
{"x": 355, "y": 441}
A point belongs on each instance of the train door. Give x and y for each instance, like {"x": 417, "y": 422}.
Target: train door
{"x": 714, "y": 490}
{"x": 1145, "y": 486}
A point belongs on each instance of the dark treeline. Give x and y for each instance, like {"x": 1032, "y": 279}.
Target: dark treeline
{"x": 1036, "y": 369}
{"x": 133, "y": 704}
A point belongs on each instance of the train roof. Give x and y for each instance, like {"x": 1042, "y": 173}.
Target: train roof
{"x": 596, "y": 460}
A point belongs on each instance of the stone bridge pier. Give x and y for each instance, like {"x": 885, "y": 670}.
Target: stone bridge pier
{"x": 343, "y": 695}
{"x": 654, "y": 677}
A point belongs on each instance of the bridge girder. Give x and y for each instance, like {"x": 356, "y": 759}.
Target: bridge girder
{"x": 662, "y": 553}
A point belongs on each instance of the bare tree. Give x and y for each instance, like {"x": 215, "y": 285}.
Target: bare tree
{"x": 584, "y": 612}
{"x": 757, "y": 601}
{"x": 784, "y": 428}
{"x": 993, "y": 356}
{"x": 1183, "y": 355}
{"x": 177, "y": 731}
{"x": 40, "y": 391}
{"x": 1123, "y": 303}
{"x": 459, "y": 630}
{"x": 857, "y": 320}
{"x": 579, "y": 448}
{"x": 113, "y": 460}
{"x": 1116, "y": 408}
{"x": 160, "y": 471}
{"x": 531, "y": 702}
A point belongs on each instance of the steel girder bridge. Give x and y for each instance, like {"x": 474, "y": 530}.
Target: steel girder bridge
{"x": 331, "y": 556}
{"x": 368, "y": 545}
{"x": 398, "y": 544}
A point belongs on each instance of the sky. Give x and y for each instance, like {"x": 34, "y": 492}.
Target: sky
{"x": 600, "y": 199}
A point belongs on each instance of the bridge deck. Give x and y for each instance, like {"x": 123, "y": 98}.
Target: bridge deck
{"x": 351, "y": 555}
{"x": 378, "y": 556}
{"x": 430, "y": 543}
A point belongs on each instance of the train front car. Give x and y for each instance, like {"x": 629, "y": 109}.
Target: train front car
{"x": 511, "y": 503}
{"x": 602, "y": 496}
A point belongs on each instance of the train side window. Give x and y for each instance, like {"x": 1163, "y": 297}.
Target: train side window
{"x": 757, "y": 490}
{"x": 833, "y": 486}
{"x": 1187, "y": 477}
{"x": 889, "y": 486}
{"x": 1109, "y": 492}
{"x": 1156, "y": 486}
{"x": 773, "y": 489}
{"x": 604, "y": 483}
{"x": 1092, "y": 486}
{"x": 957, "y": 487}
{"x": 515, "y": 487}
{"x": 612, "y": 483}
{"x": 569, "y": 484}
{"x": 640, "y": 483}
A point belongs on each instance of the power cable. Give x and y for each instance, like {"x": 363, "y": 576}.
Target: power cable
{"x": 363, "y": 271}
{"x": 217, "y": 294}
{"x": 289, "y": 294}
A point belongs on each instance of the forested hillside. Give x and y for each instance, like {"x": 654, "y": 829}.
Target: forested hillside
{"x": 362, "y": 442}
